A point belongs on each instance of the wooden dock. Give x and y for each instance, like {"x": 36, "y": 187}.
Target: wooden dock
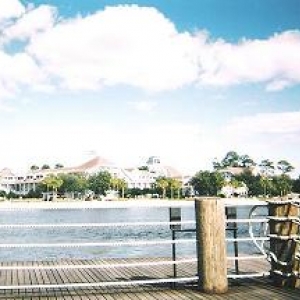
{"x": 239, "y": 289}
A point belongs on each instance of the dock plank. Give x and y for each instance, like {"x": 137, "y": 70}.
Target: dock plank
{"x": 240, "y": 289}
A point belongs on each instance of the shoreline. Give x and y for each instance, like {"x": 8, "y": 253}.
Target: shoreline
{"x": 132, "y": 203}
{"x": 78, "y": 204}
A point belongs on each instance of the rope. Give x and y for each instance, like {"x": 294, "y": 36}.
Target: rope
{"x": 121, "y": 224}
{"x": 284, "y": 202}
{"x": 284, "y": 237}
{"x": 99, "y": 266}
{"x": 247, "y": 239}
{"x": 283, "y": 219}
{"x": 249, "y": 275}
{"x": 99, "y": 244}
{"x": 264, "y": 220}
{"x": 98, "y": 284}
{"x": 250, "y": 257}
{"x": 286, "y": 274}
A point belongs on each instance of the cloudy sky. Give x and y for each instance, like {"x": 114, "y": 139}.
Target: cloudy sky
{"x": 184, "y": 80}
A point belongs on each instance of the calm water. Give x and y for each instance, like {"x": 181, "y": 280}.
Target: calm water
{"x": 103, "y": 215}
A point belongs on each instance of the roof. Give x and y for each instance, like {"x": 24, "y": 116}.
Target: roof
{"x": 6, "y": 172}
{"x": 172, "y": 172}
{"x": 93, "y": 163}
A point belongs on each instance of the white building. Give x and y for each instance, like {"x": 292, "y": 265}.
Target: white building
{"x": 21, "y": 184}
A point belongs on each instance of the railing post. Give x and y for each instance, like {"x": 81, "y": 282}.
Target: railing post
{"x": 211, "y": 245}
{"x": 282, "y": 243}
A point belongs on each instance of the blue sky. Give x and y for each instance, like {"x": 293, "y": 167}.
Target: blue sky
{"x": 185, "y": 80}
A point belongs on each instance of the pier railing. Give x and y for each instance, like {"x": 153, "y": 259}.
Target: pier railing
{"x": 137, "y": 265}
{"x": 277, "y": 240}
{"x": 274, "y": 234}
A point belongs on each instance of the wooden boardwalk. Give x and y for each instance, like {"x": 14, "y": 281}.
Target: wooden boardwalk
{"x": 241, "y": 289}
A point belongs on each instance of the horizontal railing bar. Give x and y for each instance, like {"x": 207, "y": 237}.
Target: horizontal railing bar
{"x": 248, "y": 275}
{"x": 250, "y": 257}
{"x": 97, "y": 244}
{"x": 247, "y": 239}
{"x": 264, "y": 220}
{"x": 98, "y": 284}
{"x": 98, "y": 266}
{"x": 120, "y": 224}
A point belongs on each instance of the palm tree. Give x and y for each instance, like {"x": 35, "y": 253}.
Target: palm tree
{"x": 162, "y": 183}
{"x": 174, "y": 184}
{"x": 122, "y": 186}
{"x": 54, "y": 182}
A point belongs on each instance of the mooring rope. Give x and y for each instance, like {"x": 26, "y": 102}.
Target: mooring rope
{"x": 98, "y": 244}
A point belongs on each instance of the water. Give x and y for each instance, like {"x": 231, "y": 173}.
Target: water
{"x": 94, "y": 234}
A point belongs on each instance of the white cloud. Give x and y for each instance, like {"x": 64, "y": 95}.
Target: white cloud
{"x": 273, "y": 59}
{"x": 266, "y": 123}
{"x": 10, "y": 9}
{"x": 31, "y": 23}
{"x": 108, "y": 48}
{"x": 143, "y": 106}
{"x": 17, "y": 72}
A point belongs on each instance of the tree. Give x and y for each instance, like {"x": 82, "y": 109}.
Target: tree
{"x": 118, "y": 184}
{"x": 174, "y": 185}
{"x": 58, "y": 166}
{"x": 73, "y": 183}
{"x": 252, "y": 182}
{"x": 265, "y": 182}
{"x": 114, "y": 182}
{"x": 45, "y": 167}
{"x": 122, "y": 186}
{"x": 207, "y": 183}
{"x": 267, "y": 168}
{"x": 284, "y": 167}
{"x": 53, "y": 182}
{"x": 296, "y": 185}
{"x": 162, "y": 183}
{"x": 99, "y": 183}
{"x": 233, "y": 159}
{"x": 34, "y": 168}
{"x": 282, "y": 184}
{"x": 245, "y": 161}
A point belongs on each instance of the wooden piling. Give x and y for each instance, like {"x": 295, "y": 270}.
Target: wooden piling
{"x": 211, "y": 245}
{"x": 282, "y": 245}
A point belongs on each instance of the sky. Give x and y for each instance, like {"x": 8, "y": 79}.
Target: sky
{"x": 187, "y": 81}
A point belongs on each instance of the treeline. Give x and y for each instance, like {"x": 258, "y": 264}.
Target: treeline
{"x": 80, "y": 185}
{"x": 265, "y": 178}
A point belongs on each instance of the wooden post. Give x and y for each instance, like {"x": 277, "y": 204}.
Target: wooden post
{"x": 211, "y": 245}
{"x": 284, "y": 249}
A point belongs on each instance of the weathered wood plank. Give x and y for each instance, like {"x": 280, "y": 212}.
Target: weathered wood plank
{"x": 246, "y": 289}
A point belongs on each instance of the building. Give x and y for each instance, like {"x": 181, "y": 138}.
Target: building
{"x": 141, "y": 178}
